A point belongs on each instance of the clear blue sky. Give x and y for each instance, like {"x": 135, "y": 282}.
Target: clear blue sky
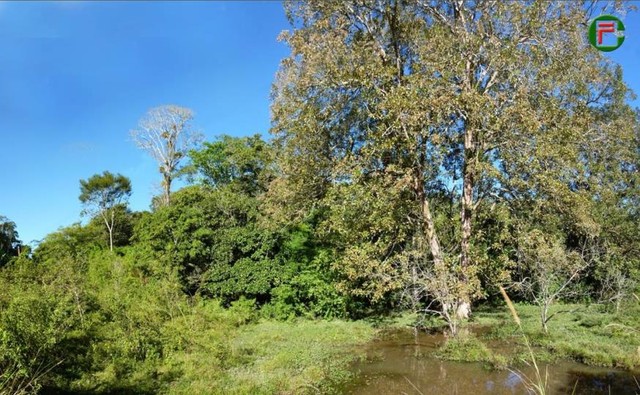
{"x": 76, "y": 77}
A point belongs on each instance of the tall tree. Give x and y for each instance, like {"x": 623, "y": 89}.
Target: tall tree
{"x": 101, "y": 194}
{"x": 9, "y": 242}
{"x": 167, "y": 134}
{"x": 417, "y": 97}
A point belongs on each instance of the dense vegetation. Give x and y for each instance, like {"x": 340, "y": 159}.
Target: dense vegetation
{"x": 423, "y": 154}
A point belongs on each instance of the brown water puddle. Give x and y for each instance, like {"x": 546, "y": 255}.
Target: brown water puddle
{"x": 401, "y": 363}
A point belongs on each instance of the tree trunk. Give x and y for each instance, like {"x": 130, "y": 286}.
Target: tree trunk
{"x": 415, "y": 297}
{"x": 429, "y": 229}
{"x": 466, "y": 215}
{"x": 109, "y": 227}
{"x": 464, "y": 309}
{"x": 544, "y": 313}
{"x": 166, "y": 188}
{"x": 467, "y": 199}
{"x": 430, "y": 232}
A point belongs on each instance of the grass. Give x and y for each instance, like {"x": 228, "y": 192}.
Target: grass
{"x": 465, "y": 348}
{"x": 278, "y": 357}
{"x": 590, "y": 335}
{"x": 538, "y": 385}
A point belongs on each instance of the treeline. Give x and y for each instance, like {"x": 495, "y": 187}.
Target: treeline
{"x": 117, "y": 304}
{"x": 422, "y": 156}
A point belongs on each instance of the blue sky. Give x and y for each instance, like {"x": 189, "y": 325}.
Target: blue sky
{"x": 76, "y": 77}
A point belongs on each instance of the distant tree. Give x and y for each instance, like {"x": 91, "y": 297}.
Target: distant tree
{"x": 166, "y": 132}
{"x": 9, "y": 243}
{"x": 102, "y": 194}
{"x": 244, "y": 163}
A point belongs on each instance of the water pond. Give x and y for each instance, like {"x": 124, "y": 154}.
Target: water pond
{"x": 402, "y": 362}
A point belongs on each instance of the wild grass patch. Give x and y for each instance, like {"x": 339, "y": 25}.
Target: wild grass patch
{"x": 279, "y": 357}
{"x": 588, "y": 334}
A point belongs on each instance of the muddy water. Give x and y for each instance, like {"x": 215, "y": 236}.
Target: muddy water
{"x": 401, "y": 363}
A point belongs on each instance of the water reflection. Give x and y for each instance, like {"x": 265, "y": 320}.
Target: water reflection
{"x": 403, "y": 364}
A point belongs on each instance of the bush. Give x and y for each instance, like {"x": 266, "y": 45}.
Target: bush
{"x": 465, "y": 348}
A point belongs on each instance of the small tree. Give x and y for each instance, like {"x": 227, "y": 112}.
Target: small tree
{"x": 102, "y": 194}
{"x": 167, "y": 134}
{"x": 445, "y": 289}
{"x": 551, "y": 270}
{"x": 441, "y": 285}
{"x": 617, "y": 283}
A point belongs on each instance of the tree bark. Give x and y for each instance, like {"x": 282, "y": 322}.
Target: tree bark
{"x": 466, "y": 214}
{"x": 166, "y": 188}
{"x": 430, "y": 233}
{"x": 544, "y": 313}
{"x": 109, "y": 227}
{"x": 428, "y": 225}
{"x": 429, "y": 229}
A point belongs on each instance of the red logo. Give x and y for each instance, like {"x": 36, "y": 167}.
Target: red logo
{"x": 604, "y": 27}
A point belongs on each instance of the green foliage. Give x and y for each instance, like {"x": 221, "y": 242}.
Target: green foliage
{"x": 44, "y": 324}
{"x": 104, "y": 190}
{"x": 118, "y": 323}
{"x": 103, "y": 195}
{"x": 245, "y": 164}
{"x": 424, "y": 155}
{"x": 495, "y": 247}
{"x": 465, "y": 348}
{"x": 296, "y": 357}
{"x": 428, "y": 112}
{"x": 307, "y": 284}
{"x": 9, "y": 242}
{"x": 74, "y": 241}
{"x": 124, "y": 223}
{"x": 213, "y": 237}
{"x": 135, "y": 299}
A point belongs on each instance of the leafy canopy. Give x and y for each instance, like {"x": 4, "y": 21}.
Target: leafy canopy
{"x": 104, "y": 191}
